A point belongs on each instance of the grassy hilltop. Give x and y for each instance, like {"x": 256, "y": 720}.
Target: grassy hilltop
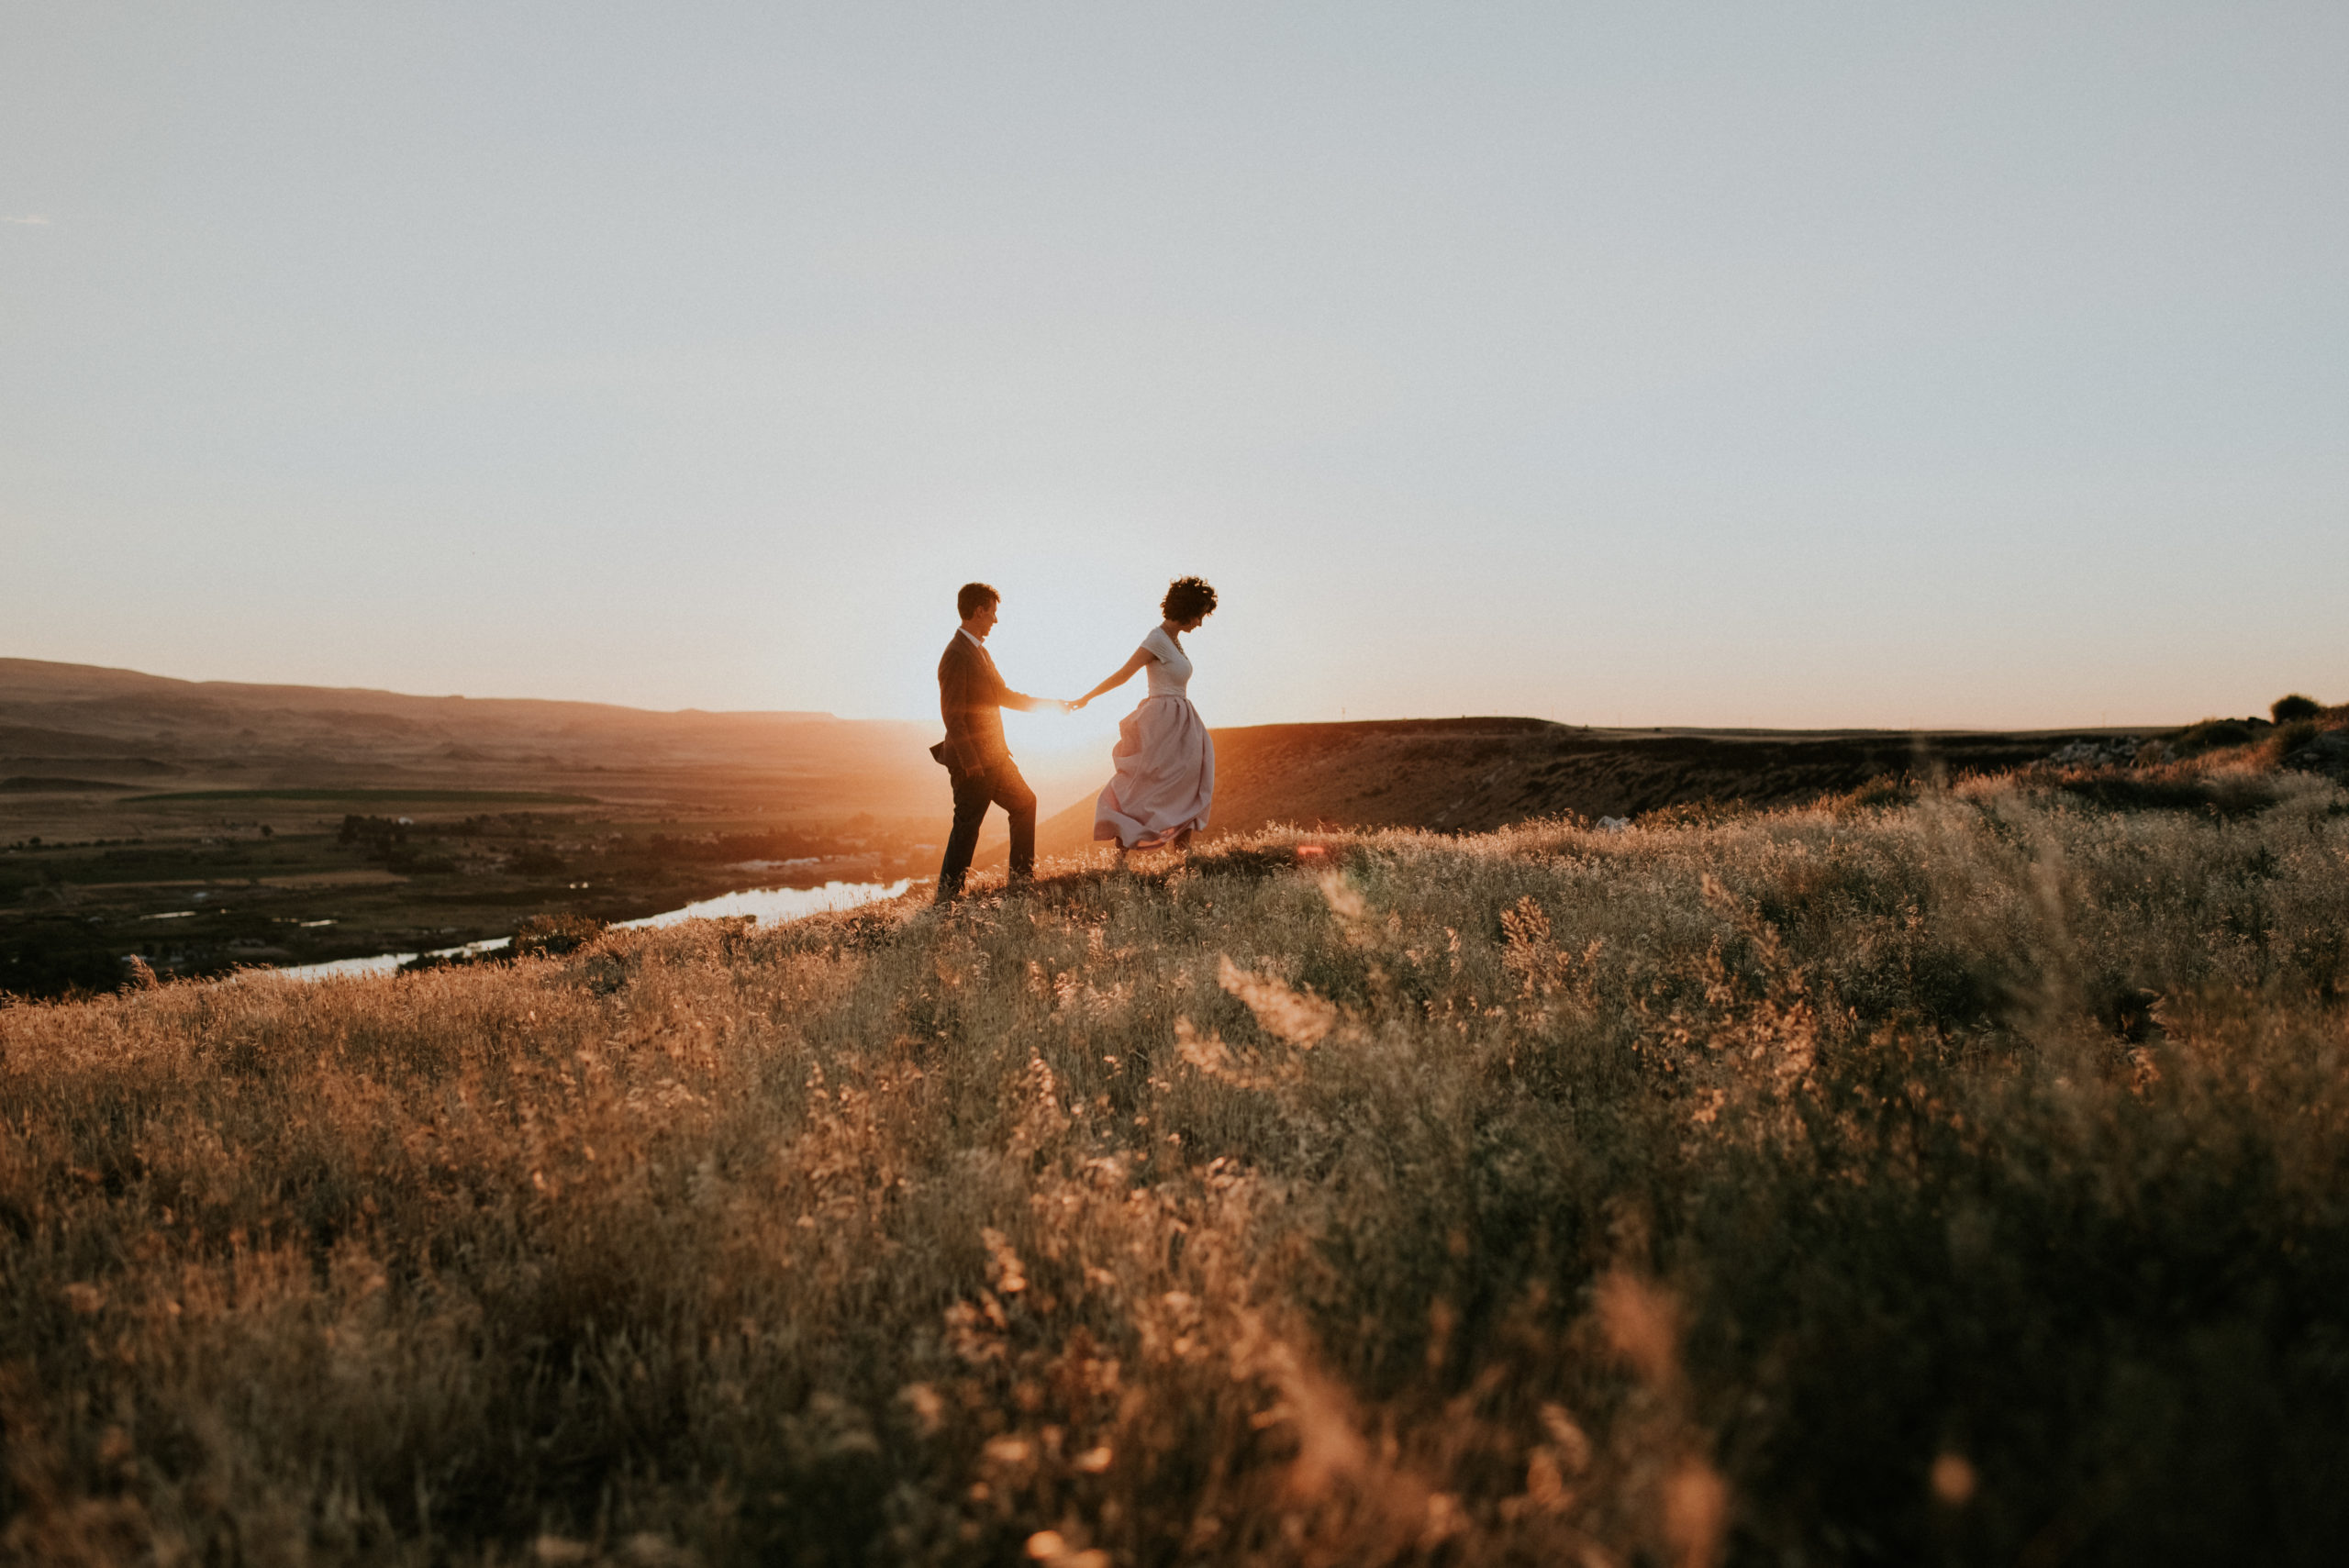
{"x": 1959, "y": 1176}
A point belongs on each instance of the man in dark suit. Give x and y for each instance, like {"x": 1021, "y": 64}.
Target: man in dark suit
{"x": 971, "y": 697}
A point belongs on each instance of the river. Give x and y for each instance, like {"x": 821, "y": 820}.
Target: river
{"x": 767, "y": 906}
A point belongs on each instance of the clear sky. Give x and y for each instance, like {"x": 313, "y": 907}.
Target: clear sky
{"x": 1780, "y": 364}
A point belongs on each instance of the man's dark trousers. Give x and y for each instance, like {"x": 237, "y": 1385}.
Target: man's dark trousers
{"x": 999, "y": 784}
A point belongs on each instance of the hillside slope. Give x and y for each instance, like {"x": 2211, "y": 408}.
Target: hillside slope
{"x": 1864, "y": 1185}
{"x": 1474, "y": 775}
{"x": 86, "y": 722}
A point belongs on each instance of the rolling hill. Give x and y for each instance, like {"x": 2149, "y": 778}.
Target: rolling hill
{"x": 82, "y": 722}
{"x": 1475, "y": 774}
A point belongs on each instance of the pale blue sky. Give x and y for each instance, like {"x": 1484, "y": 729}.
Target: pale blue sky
{"x": 1784, "y": 364}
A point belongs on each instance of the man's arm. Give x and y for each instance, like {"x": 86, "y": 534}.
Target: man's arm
{"x": 962, "y": 678}
{"x": 957, "y": 675}
{"x": 1002, "y": 696}
{"x": 1028, "y": 704}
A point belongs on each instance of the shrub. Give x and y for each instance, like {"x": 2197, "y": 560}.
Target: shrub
{"x": 2214, "y": 735}
{"x": 378, "y": 833}
{"x": 551, "y": 935}
{"x": 2296, "y": 707}
{"x": 408, "y": 862}
{"x": 2293, "y": 735}
{"x": 1882, "y": 792}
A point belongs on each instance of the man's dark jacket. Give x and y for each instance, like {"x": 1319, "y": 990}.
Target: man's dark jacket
{"x": 971, "y": 699}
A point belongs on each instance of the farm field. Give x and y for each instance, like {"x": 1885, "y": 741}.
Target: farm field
{"x": 1919, "y": 1174}
{"x": 205, "y": 826}
{"x": 191, "y": 890}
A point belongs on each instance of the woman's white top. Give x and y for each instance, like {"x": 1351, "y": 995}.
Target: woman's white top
{"x": 1170, "y": 675}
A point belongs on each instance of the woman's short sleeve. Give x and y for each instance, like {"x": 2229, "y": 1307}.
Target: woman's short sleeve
{"x": 1158, "y": 645}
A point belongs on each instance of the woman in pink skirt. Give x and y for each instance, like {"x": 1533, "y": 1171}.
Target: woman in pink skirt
{"x": 1165, "y": 763}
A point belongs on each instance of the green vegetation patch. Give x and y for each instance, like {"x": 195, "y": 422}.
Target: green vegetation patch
{"x": 420, "y": 796}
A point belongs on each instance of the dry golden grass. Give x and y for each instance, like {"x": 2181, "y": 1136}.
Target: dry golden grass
{"x": 1963, "y": 1179}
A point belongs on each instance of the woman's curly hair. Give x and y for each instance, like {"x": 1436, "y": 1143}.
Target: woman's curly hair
{"x": 1187, "y": 598}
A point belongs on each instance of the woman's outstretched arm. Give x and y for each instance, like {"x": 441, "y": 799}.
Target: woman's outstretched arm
{"x": 1126, "y": 673}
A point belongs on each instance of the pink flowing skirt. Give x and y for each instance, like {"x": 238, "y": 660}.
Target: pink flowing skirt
{"x": 1165, "y": 776}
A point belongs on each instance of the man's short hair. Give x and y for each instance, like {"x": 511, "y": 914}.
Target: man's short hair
{"x": 972, "y": 596}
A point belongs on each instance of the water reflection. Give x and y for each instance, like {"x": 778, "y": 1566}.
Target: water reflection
{"x": 382, "y": 962}
{"x": 767, "y": 906}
